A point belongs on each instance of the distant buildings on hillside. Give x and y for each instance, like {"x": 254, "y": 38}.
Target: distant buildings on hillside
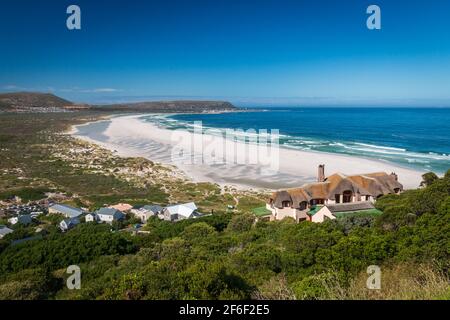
{"x": 180, "y": 212}
{"x": 106, "y": 215}
{"x": 146, "y": 212}
{"x": 16, "y": 213}
{"x": 23, "y": 219}
{"x": 66, "y": 210}
{"x": 68, "y": 224}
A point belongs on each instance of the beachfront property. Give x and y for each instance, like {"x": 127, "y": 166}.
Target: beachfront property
{"x": 4, "y": 230}
{"x": 180, "y": 212}
{"x": 106, "y": 215}
{"x": 68, "y": 224}
{"x": 297, "y": 203}
{"x": 147, "y": 211}
{"x": 66, "y": 210}
{"x": 24, "y": 219}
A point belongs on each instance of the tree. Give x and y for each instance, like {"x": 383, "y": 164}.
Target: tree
{"x": 32, "y": 284}
{"x": 428, "y": 179}
{"x": 197, "y": 231}
{"x": 241, "y": 222}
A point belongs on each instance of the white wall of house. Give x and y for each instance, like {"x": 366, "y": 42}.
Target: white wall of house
{"x": 144, "y": 216}
{"x": 90, "y": 218}
{"x": 13, "y": 221}
{"x": 106, "y": 218}
{"x": 320, "y": 215}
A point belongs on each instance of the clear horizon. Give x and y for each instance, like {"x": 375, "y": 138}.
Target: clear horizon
{"x": 311, "y": 53}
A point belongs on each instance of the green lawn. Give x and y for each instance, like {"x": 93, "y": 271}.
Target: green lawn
{"x": 261, "y": 212}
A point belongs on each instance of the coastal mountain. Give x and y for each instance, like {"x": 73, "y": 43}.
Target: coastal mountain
{"x": 170, "y": 106}
{"x": 43, "y": 102}
{"x": 18, "y": 101}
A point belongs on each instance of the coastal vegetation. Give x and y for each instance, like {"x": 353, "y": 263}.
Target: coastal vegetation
{"x": 229, "y": 254}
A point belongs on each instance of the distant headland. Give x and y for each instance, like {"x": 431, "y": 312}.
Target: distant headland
{"x": 47, "y": 102}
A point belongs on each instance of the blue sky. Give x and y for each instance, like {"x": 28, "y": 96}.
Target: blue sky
{"x": 249, "y": 52}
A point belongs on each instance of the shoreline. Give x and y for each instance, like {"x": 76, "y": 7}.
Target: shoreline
{"x": 130, "y": 137}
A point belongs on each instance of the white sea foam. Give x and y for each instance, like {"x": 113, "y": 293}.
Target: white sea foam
{"x": 380, "y": 147}
{"x": 131, "y": 136}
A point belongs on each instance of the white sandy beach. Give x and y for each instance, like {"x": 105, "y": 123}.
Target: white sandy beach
{"x": 283, "y": 168}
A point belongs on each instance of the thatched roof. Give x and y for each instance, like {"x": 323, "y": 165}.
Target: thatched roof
{"x": 386, "y": 180}
{"x": 317, "y": 190}
{"x": 338, "y": 183}
{"x": 298, "y": 195}
{"x": 371, "y": 184}
{"x": 279, "y": 197}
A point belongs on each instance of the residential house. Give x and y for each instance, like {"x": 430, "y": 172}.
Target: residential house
{"x": 320, "y": 213}
{"x": 335, "y": 189}
{"x": 145, "y": 212}
{"x": 91, "y": 217}
{"x": 180, "y": 212}
{"x": 66, "y": 210}
{"x": 4, "y": 230}
{"x": 22, "y": 219}
{"x": 68, "y": 224}
{"x": 109, "y": 215}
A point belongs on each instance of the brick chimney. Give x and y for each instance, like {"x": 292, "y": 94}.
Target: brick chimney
{"x": 321, "y": 173}
{"x": 393, "y": 174}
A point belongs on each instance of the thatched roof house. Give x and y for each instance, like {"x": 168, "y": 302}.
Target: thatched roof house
{"x": 338, "y": 188}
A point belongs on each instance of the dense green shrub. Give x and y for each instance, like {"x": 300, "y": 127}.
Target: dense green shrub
{"x": 230, "y": 257}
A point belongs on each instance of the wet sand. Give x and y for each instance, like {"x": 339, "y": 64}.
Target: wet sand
{"x": 201, "y": 156}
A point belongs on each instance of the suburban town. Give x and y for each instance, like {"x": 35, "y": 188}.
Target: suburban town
{"x": 17, "y": 213}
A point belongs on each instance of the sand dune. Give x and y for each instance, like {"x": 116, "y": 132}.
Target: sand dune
{"x": 247, "y": 165}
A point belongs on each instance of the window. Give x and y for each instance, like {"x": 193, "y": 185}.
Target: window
{"x": 286, "y": 204}
{"x": 303, "y": 205}
{"x": 367, "y": 198}
{"x": 347, "y": 196}
{"x": 317, "y": 201}
{"x": 338, "y": 198}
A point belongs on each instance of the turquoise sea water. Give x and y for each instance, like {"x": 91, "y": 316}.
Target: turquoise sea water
{"x": 417, "y": 138}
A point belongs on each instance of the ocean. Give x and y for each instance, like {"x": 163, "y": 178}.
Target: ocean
{"x": 416, "y": 138}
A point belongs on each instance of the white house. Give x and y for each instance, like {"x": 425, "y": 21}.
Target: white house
{"x": 109, "y": 215}
{"x": 146, "y": 212}
{"x": 68, "y": 224}
{"x": 180, "y": 212}
{"x": 4, "y": 230}
{"x": 65, "y": 210}
{"x": 22, "y": 219}
{"x": 91, "y": 217}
